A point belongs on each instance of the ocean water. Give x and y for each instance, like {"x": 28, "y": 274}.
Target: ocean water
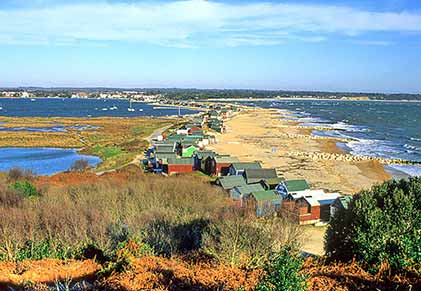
{"x": 378, "y": 129}
{"x": 42, "y": 161}
{"x": 65, "y": 107}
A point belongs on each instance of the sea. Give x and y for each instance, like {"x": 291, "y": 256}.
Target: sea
{"x": 48, "y": 161}
{"x": 375, "y": 128}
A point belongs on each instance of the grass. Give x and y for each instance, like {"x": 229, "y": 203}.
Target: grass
{"x": 172, "y": 215}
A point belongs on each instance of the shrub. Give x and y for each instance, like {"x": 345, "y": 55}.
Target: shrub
{"x": 16, "y": 174}
{"x": 283, "y": 272}
{"x": 381, "y": 226}
{"x": 38, "y": 250}
{"x": 25, "y": 188}
{"x": 79, "y": 165}
{"x": 242, "y": 240}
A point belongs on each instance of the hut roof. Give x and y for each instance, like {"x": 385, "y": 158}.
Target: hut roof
{"x": 246, "y": 165}
{"x": 256, "y": 175}
{"x": 226, "y": 159}
{"x": 296, "y": 185}
{"x": 268, "y": 195}
{"x": 180, "y": 161}
{"x": 229, "y": 182}
{"x": 247, "y": 189}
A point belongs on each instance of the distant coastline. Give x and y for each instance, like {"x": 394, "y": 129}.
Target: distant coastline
{"x": 309, "y": 99}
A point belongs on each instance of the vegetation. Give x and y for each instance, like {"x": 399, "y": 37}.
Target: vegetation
{"x": 25, "y": 189}
{"x": 134, "y": 231}
{"x": 284, "y": 272}
{"x": 381, "y": 227}
{"x": 172, "y": 216}
{"x": 80, "y": 165}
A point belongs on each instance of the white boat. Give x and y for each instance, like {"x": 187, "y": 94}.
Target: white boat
{"x": 32, "y": 99}
{"x": 130, "y": 109}
{"x": 162, "y": 107}
{"x": 104, "y": 109}
{"x": 140, "y": 109}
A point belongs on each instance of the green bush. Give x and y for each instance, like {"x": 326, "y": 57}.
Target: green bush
{"x": 25, "y": 188}
{"x": 283, "y": 272}
{"x": 382, "y": 225}
{"x": 37, "y": 250}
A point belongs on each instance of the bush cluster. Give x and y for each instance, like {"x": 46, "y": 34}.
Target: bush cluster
{"x": 381, "y": 226}
{"x": 171, "y": 216}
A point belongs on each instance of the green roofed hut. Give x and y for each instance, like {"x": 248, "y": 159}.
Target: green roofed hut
{"x": 272, "y": 183}
{"x": 199, "y": 158}
{"x": 238, "y": 168}
{"x": 340, "y": 203}
{"x": 179, "y": 166}
{"x": 239, "y": 192}
{"x": 188, "y": 151}
{"x": 230, "y": 182}
{"x": 292, "y": 187}
{"x": 253, "y": 176}
{"x": 265, "y": 203}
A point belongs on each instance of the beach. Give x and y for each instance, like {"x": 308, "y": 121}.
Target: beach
{"x": 267, "y": 136}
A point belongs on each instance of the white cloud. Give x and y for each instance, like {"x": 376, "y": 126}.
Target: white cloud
{"x": 195, "y": 23}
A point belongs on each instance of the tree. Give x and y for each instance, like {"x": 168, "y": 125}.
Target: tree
{"x": 283, "y": 272}
{"x": 381, "y": 225}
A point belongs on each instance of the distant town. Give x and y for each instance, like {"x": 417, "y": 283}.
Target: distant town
{"x": 164, "y": 95}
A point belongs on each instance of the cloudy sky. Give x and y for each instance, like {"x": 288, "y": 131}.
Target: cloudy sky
{"x": 345, "y": 45}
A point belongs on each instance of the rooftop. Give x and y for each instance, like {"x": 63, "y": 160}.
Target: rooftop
{"x": 269, "y": 195}
{"x": 229, "y": 182}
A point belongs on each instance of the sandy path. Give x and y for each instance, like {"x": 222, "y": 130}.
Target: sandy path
{"x": 261, "y": 135}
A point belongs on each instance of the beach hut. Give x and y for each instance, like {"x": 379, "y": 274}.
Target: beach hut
{"x": 209, "y": 165}
{"x": 264, "y": 203}
{"x": 188, "y": 151}
{"x": 219, "y": 165}
{"x": 166, "y": 147}
{"x": 271, "y": 183}
{"x": 229, "y": 182}
{"x": 238, "y": 168}
{"x": 253, "y": 176}
{"x": 179, "y": 166}
{"x": 340, "y": 203}
{"x": 200, "y": 156}
{"x": 293, "y": 187}
{"x": 314, "y": 207}
{"x": 240, "y": 191}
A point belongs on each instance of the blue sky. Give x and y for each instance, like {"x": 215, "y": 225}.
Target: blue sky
{"x": 342, "y": 45}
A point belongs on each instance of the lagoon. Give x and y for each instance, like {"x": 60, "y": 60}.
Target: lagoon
{"x": 74, "y": 107}
{"x": 42, "y": 161}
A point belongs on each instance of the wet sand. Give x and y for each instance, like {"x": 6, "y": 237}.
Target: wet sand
{"x": 264, "y": 135}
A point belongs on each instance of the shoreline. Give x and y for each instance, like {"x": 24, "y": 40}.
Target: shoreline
{"x": 309, "y": 99}
{"x": 266, "y": 135}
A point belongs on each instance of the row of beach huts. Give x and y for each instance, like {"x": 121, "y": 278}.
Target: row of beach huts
{"x": 264, "y": 191}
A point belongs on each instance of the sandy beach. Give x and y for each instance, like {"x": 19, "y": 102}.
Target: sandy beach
{"x": 263, "y": 135}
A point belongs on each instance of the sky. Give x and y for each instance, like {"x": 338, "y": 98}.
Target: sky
{"x": 325, "y": 45}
